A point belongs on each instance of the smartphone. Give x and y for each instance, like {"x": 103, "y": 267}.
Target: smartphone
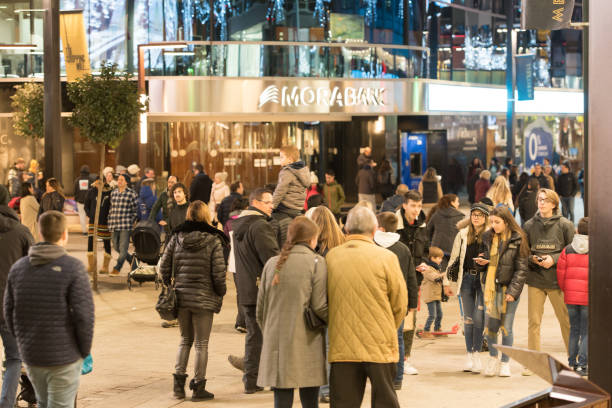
{"x": 539, "y": 258}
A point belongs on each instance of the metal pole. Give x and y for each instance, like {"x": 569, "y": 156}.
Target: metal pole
{"x": 599, "y": 163}
{"x": 585, "y": 86}
{"x": 510, "y": 82}
{"x": 52, "y": 88}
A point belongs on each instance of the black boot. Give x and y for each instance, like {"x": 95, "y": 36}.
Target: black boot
{"x": 199, "y": 392}
{"x": 179, "y": 385}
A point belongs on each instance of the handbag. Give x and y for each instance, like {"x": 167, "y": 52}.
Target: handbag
{"x": 167, "y": 306}
{"x": 313, "y": 322}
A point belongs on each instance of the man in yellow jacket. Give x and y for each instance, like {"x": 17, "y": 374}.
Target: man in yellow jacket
{"x": 368, "y": 301}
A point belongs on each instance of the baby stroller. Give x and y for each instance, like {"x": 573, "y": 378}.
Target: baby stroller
{"x": 146, "y": 238}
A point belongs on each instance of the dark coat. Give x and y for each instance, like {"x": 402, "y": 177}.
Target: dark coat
{"x": 51, "y": 201}
{"x": 542, "y": 179}
{"x": 415, "y": 238}
{"x": 90, "y": 205}
{"x": 480, "y": 189}
{"x": 196, "y": 251}
{"x": 567, "y": 185}
{"x": 48, "y": 307}
{"x": 176, "y": 215}
{"x": 81, "y": 186}
{"x": 547, "y": 236}
{"x": 408, "y": 270}
{"x": 146, "y": 201}
{"x": 365, "y": 180}
{"x": 442, "y": 228}
{"x": 225, "y": 207}
{"x": 511, "y": 266}
{"x": 15, "y": 241}
{"x": 527, "y": 205}
{"x": 392, "y": 203}
{"x": 200, "y": 188}
{"x": 255, "y": 242}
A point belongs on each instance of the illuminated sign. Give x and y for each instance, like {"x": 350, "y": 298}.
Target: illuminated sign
{"x": 322, "y": 96}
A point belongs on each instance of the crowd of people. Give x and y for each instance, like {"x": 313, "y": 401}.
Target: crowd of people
{"x": 326, "y": 299}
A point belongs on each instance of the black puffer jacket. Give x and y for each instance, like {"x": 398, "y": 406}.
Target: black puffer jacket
{"x": 225, "y": 207}
{"x": 511, "y": 267}
{"x": 255, "y": 242}
{"x": 199, "y": 266}
{"x": 415, "y": 237}
{"x": 442, "y": 228}
{"x": 90, "y": 205}
{"x": 51, "y": 201}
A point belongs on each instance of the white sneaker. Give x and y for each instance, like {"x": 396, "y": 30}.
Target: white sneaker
{"x": 409, "y": 369}
{"x": 468, "y": 363}
{"x": 492, "y": 367}
{"x": 476, "y": 363}
{"x": 504, "y": 370}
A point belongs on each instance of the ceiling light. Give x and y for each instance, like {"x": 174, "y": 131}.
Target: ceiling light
{"x": 17, "y": 46}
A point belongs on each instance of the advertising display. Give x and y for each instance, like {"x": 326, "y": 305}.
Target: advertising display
{"x": 538, "y": 143}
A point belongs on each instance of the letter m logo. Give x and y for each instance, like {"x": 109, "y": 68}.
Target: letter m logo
{"x": 558, "y": 14}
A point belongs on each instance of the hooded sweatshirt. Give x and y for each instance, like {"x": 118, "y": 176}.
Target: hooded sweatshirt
{"x": 573, "y": 271}
{"x": 48, "y": 307}
{"x": 290, "y": 192}
{"x": 82, "y": 185}
{"x": 547, "y": 236}
{"x": 146, "y": 201}
{"x": 391, "y": 241}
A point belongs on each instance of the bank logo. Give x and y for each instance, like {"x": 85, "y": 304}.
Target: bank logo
{"x": 270, "y": 94}
{"x": 322, "y": 96}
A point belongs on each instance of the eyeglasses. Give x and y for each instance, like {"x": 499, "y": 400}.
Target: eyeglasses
{"x": 477, "y": 215}
{"x": 544, "y": 200}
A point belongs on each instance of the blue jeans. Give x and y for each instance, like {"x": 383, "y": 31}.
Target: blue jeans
{"x": 472, "y": 301}
{"x": 324, "y": 389}
{"x": 567, "y": 207}
{"x": 57, "y": 386}
{"x": 121, "y": 242}
{"x": 10, "y": 379}
{"x": 494, "y": 325}
{"x": 579, "y": 335}
{"x": 399, "y": 377}
{"x": 435, "y": 314}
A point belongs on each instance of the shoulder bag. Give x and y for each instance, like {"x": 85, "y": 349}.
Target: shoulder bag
{"x": 167, "y": 306}
{"x": 313, "y": 322}
{"x": 453, "y": 270}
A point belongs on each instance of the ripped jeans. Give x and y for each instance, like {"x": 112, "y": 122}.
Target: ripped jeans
{"x": 194, "y": 327}
{"x": 472, "y": 300}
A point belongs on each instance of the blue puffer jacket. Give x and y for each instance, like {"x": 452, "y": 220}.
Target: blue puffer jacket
{"x": 146, "y": 200}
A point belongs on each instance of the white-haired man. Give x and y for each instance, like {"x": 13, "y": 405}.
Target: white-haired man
{"x": 368, "y": 301}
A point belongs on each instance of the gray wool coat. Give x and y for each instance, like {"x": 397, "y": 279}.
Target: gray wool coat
{"x": 292, "y": 356}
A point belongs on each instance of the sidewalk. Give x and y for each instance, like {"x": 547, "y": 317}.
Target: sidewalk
{"x": 134, "y": 357}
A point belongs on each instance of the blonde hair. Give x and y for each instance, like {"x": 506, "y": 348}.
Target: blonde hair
{"x": 33, "y": 166}
{"x": 485, "y": 174}
{"x": 330, "y": 235}
{"x": 198, "y": 211}
{"x": 291, "y": 151}
{"x": 499, "y": 192}
{"x": 550, "y": 195}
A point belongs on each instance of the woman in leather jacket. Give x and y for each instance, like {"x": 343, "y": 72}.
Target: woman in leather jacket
{"x": 506, "y": 260}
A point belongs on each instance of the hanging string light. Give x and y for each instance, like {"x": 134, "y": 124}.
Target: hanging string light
{"x": 223, "y": 9}
{"x": 370, "y": 11}
{"x": 276, "y": 12}
{"x": 400, "y": 9}
{"x": 202, "y": 11}
{"x": 320, "y": 11}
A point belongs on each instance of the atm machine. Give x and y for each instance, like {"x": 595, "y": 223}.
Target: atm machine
{"x": 419, "y": 150}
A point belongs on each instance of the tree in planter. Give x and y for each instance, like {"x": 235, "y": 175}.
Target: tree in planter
{"x": 28, "y": 116}
{"x": 106, "y": 108}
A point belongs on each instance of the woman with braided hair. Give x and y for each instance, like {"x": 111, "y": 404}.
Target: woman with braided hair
{"x": 293, "y": 355}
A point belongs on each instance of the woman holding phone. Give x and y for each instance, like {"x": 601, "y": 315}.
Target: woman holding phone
{"x": 467, "y": 246}
{"x": 505, "y": 257}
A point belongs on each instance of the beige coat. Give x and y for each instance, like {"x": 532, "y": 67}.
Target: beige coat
{"x": 368, "y": 301}
{"x": 292, "y": 355}
{"x": 430, "y": 289}
{"x": 28, "y": 207}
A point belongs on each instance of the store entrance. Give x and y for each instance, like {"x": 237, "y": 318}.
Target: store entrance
{"x": 247, "y": 151}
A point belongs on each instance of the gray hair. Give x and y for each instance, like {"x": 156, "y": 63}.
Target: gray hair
{"x": 361, "y": 220}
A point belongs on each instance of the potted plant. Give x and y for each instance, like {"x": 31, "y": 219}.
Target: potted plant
{"x": 106, "y": 108}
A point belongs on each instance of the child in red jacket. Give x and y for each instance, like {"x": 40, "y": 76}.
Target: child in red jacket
{"x": 573, "y": 277}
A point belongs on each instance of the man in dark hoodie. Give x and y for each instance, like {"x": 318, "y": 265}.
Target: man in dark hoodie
{"x": 48, "y": 307}
{"x": 15, "y": 240}
{"x": 81, "y": 187}
{"x": 200, "y": 185}
{"x": 387, "y": 238}
{"x": 236, "y": 192}
{"x": 548, "y": 233}
{"x": 255, "y": 242}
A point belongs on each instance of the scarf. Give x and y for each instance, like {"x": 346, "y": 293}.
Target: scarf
{"x": 495, "y": 301}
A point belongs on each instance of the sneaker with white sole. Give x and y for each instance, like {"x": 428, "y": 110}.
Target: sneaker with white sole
{"x": 467, "y": 368}
{"x": 492, "y": 367}
{"x": 476, "y": 363}
{"x": 409, "y": 369}
{"x": 504, "y": 370}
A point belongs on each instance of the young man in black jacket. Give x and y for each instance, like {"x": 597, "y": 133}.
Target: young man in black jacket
{"x": 255, "y": 242}
{"x": 15, "y": 240}
{"x": 386, "y": 237}
{"x": 567, "y": 187}
{"x": 200, "y": 185}
{"x": 225, "y": 207}
{"x": 48, "y": 307}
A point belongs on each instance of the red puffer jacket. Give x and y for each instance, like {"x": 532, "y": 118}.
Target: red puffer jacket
{"x": 573, "y": 272}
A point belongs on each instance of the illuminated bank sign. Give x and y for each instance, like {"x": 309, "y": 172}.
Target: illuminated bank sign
{"x": 296, "y": 96}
